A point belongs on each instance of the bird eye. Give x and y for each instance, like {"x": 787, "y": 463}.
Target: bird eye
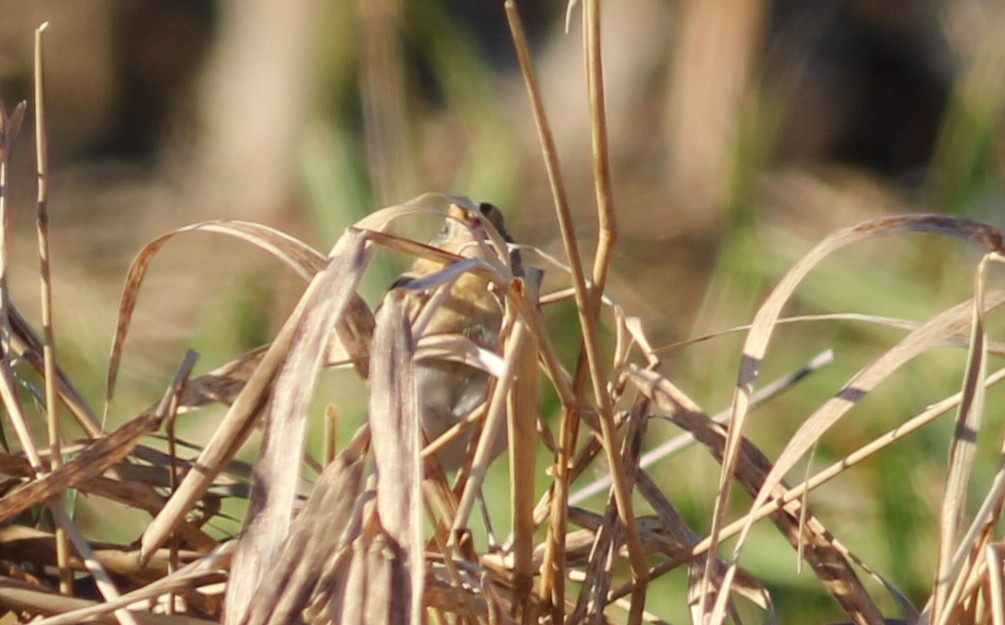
{"x": 493, "y": 214}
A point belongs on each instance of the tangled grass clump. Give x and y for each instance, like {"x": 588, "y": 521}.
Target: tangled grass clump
{"x": 383, "y": 535}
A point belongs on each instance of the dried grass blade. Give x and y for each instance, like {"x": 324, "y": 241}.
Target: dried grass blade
{"x": 129, "y": 492}
{"x": 55, "y": 381}
{"x": 911, "y": 425}
{"x": 206, "y": 570}
{"x": 607, "y": 224}
{"x": 752, "y": 469}
{"x": 49, "y": 348}
{"x": 994, "y": 560}
{"x": 638, "y": 423}
{"x": 986, "y": 517}
{"x": 236, "y": 424}
{"x": 559, "y": 195}
{"x": 49, "y": 485}
{"x": 674, "y": 537}
{"x": 388, "y": 599}
{"x": 351, "y": 608}
{"x": 600, "y": 569}
{"x": 496, "y": 260}
{"x": 303, "y": 259}
{"x": 962, "y": 450}
{"x": 397, "y": 441}
{"x": 318, "y": 532}
{"x": 27, "y": 345}
{"x": 931, "y": 333}
{"x": 886, "y": 322}
{"x": 22, "y": 543}
{"x": 222, "y": 384}
{"x": 94, "y": 460}
{"x": 17, "y": 595}
{"x": 610, "y": 538}
{"x": 978, "y": 533}
{"x": 101, "y": 578}
{"x": 553, "y": 579}
{"x": 42, "y": 229}
{"x": 679, "y": 443}
{"x": 276, "y": 477}
{"x": 9, "y": 127}
{"x": 496, "y": 416}
{"x": 764, "y": 322}
{"x": 522, "y": 432}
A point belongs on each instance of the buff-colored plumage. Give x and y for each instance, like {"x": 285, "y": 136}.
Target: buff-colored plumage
{"x": 449, "y": 391}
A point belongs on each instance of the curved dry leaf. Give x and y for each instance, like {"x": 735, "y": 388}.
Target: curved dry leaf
{"x": 959, "y": 340}
{"x": 928, "y": 335}
{"x": 207, "y": 570}
{"x": 290, "y": 392}
{"x": 94, "y": 460}
{"x": 304, "y": 260}
{"x": 236, "y": 425}
{"x": 27, "y": 544}
{"x": 753, "y": 467}
{"x": 460, "y": 349}
{"x": 986, "y": 517}
{"x": 767, "y": 315}
{"x": 962, "y": 451}
{"x": 222, "y": 384}
{"x": 680, "y": 442}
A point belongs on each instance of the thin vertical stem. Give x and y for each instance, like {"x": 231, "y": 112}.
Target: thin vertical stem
{"x": 608, "y": 231}
{"x": 554, "y": 568}
{"x": 49, "y": 344}
{"x": 554, "y": 572}
{"x": 607, "y": 237}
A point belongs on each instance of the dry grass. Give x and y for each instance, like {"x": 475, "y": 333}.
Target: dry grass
{"x": 382, "y": 534}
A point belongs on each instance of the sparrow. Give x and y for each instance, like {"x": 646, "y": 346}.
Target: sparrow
{"x": 449, "y": 391}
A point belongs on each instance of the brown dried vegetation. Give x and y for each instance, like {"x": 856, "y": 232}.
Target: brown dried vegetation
{"x": 383, "y": 536}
